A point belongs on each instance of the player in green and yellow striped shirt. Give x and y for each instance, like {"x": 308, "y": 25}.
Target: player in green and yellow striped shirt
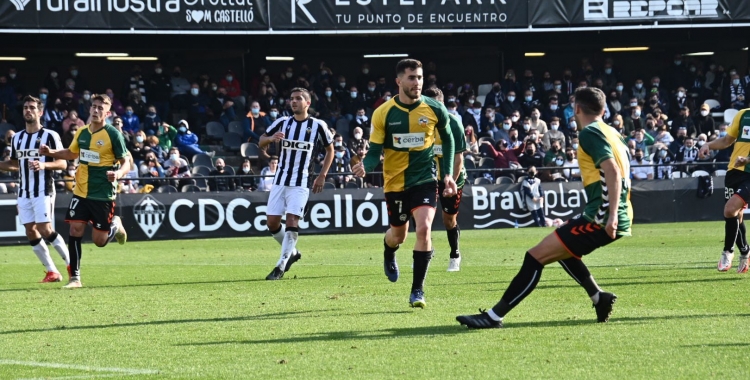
{"x": 404, "y": 130}
{"x": 607, "y": 216}
{"x": 450, "y": 205}
{"x": 102, "y": 160}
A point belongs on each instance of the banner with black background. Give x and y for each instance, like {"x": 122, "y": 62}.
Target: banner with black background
{"x": 389, "y": 16}
{"x": 216, "y": 215}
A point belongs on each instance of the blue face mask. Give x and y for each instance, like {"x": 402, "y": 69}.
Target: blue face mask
{"x": 43, "y": 96}
{"x": 528, "y": 98}
{"x": 722, "y": 133}
{"x": 129, "y": 113}
{"x": 329, "y": 93}
{"x": 183, "y": 129}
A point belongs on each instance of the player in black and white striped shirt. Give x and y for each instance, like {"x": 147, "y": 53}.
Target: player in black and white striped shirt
{"x": 300, "y": 136}
{"x": 36, "y": 194}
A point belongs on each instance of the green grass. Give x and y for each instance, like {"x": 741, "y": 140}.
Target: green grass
{"x": 200, "y": 309}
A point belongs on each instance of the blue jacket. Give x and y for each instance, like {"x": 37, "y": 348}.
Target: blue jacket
{"x": 131, "y": 124}
{"x": 186, "y": 139}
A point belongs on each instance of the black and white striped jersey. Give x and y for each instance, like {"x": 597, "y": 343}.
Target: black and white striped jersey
{"x": 298, "y": 149}
{"x": 25, "y": 148}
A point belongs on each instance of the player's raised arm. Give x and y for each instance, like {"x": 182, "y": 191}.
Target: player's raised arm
{"x": 59, "y": 154}
{"x": 272, "y": 134}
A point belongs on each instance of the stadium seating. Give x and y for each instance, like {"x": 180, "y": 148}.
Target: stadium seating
{"x": 4, "y": 128}
{"x": 714, "y": 104}
{"x": 484, "y": 89}
{"x": 352, "y": 185}
{"x": 342, "y": 127}
{"x": 329, "y": 185}
{"x": 504, "y": 180}
{"x": 250, "y": 151}
{"x": 678, "y": 174}
{"x": 482, "y": 181}
{"x": 720, "y": 173}
{"x": 236, "y": 127}
{"x": 729, "y": 115}
{"x": 191, "y": 189}
{"x": 215, "y": 131}
{"x": 203, "y": 159}
{"x": 200, "y": 181}
{"x": 699, "y": 173}
{"x": 202, "y": 170}
{"x": 232, "y": 142}
{"x": 167, "y": 189}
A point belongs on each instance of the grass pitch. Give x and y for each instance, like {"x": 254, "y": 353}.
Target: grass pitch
{"x": 201, "y": 309}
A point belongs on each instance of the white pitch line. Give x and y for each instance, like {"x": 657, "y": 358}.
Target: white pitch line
{"x": 117, "y": 371}
{"x": 76, "y": 377}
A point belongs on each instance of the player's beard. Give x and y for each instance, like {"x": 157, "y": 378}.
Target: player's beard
{"x": 409, "y": 94}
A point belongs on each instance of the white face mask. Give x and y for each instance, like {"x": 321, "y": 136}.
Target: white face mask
{"x": 681, "y": 94}
{"x": 573, "y": 124}
{"x": 637, "y": 113}
{"x": 357, "y": 136}
{"x": 553, "y": 107}
{"x": 12, "y": 76}
{"x": 72, "y": 173}
{"x": 255, "y": 110}
{"x": 339, "y": 154}
{"x": 229, "y": 78}
{"x": 387, "y": 98}
{"x": 526, "y": 127}
{"x": 554, "y": 127}
{"x": 139, "y": 139}
{"x": 514, "y": 118}
{"x": 506, "y": 127}
{"x": 289, "y": 75}
{"x": 158, "y": 71}
{"x": 559, "y": 162}
{"x": 175, "y": 157}
{"x": 274, "y": 114}
{"x": 87, "y": 97}
{"x": 575, "y": 146}
{"x": 511, "y": 99}
{"x": 633, "y": 104}
{"x": 194, "y": 91}
{"x": 353, "y": 95}
{"x": 245, "y": 170}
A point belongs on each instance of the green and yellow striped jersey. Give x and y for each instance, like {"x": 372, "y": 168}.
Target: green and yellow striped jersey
{"x": 98, "y": 153}
{"x": 740, "y": 130}
{"x": 597, "y": 143}
{"x": 405, "y": 134}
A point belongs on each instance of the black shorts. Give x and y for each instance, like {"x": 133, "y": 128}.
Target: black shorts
{"x": 98, "y": 213}
{"x": 449, "y": 205}
{"x": 737, "y": 183}
{"x": 581, "y": 237}
{"x": 401, "y": 204}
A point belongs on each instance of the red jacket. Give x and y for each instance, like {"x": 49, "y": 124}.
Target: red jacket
{"x": 233, "y": 89}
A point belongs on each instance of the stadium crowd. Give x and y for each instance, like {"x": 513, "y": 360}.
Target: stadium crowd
{"x": 522, "y": 120}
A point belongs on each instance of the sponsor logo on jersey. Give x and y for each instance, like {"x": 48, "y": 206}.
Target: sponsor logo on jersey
{"x": 438, "y": 150}
{"x": 100, "y": 143}
{"x": 296, "y": 145}
{"x": 423, "y": 120}
{"x": 27, "y": 153}
{"x": 90, "y": 156}
{"x": 408, "y": 140}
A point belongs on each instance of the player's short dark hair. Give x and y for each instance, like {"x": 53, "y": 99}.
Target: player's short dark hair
{"x": 433, "y": 92}
{"x": 273, "y": 158}
{"x": 31, "y": 99}
{"x": 305, "y": 92}
{"x": 102, "y": 98}
{"x": 408, "y": 63}
{"x": 591, "y": 100}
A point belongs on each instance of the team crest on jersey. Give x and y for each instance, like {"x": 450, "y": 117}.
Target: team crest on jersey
{"x": 100, "y": 143}
{"x": 423, "y": 121}
{"x": 745, "y": 132}
{"x": 149, "y": 213}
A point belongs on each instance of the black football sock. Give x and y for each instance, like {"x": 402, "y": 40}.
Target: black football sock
{"x": 741, "y": 240}
{"x": 521, "y": 285}
{"x": 453, "y": 235}
{"x": 389, "y": 253}
{"x": 74, "y": 248}
{"x": 731, "y": 228}
{"x": 421, "y": 263}
{"x": 580, "y": 272}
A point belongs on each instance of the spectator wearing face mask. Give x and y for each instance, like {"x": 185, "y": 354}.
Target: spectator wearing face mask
{"x": 270, "y": 118}
{"x": 613, "y": 104}
{"x": 352, "y": 103}
{"x": 84, "y": 105}
{"x": 222, "y": 107}
{"x": 572, "y": 130}
{"x": 679, "y": 101}
{"x": 530, "y": 156}
{"x": 723, "y": 155}
{"x": 663, "y": 136}
{"x": 153, "y": 147}
{"x": 384, "y": 98}
{"x": 340, "y": 166}
{"x": 452, "y": 108}
{"x": 571, "y": 162}
{"x": 466, "y": 96}
{"x": 633, "y": 121}
{"x": 683, "y": 120}
{"x": 537, "y": 122}
{"x": 176, "y": 166}
{"x": 7, "y": 100}
{"x": 166, "y": 135}
{"x": 637, "y": 171}
{"x": 151, "y": 168}
{"x": 554, "y": 134}
{"x": 136, "y": 147}
{"x": 472, "y": 147}
{"x": 679, "y": 141}
{"x": 180, "y": 88}
{"x": 72, "y": 120}
{"x": 219, "y": 178}
{"x": 358, "y": 139}
{"x": 245, "y": 182}
{"x": 661, "y": 93}
{"x": 642, "y": 140}
{"x": 533, "y": 197}
{"x": 504, "y": 157}
{"x": 677, "y": 73}
{"x": 495, "y": 98}
{"x": 663, "y": 160}
{"x": 329, "y": 107}
{"x": 528, "y": 103}
{"x": 704, "y": 122}
{"x": 370, "y": 94}
{"x": 618, "y": 124}
{"x": 472, "y": 116}
{"x": 688, "y": 153}
{"x": 131, "y": 124}
{"x": 152, "y": 121}
{"x": 267, "y": 174}
{"x": 494, "y": 125}
{"x": 160, "y": 89}
{"x": 256, "y": 122}
{"x": 231, "y": 84}
{"x": 362, "y": 122}
{"x": 53, "y": 82}
{"x": 510, "y": 104}
{"x": 735, "y": 92}
{"x": 553, "y": 110}
{"x": 187, "y": 142}
{"x": 555, "y": 150}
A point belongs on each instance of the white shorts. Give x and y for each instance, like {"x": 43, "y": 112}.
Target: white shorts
{"x": 287, "y": 200}
{"x": 36, "y": 210}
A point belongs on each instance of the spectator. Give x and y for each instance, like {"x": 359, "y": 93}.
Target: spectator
{"x": 117, "y": 107}
{"x": 453, "y": 110}
{"x": 679, "y": 102}
{"x": 568, "y": 86}
{"x": 642, "y": 140}
{"x": 340, "y": 166}
{"x": 54, "y": 116}
{"x": 683, "y": 120}
{"x": 176, "y": 166}
{"x": 704, "y": 122}
{"x": 231, "y": 84}
{"x": 160, "y": 89}
{"x": 537, "y": 123}
{"x": 198, "y": 106}
{"x": 151, "y": 168}
{"x": 359, "y": 156}
{"x": 52, "y": 82}
{"x": 510, "y": 104}
{"x": 166, "y": 135}
{"x": 533, "y": 196}
{"x": 256, "y": 122}
{"x": 494, "y": 126}
{"x": 614, "y": 105}
{"x": 688, "y": 153}
{"x": 137, "y": 147}
{"x": 268, "y": 173}
{"x": 618, "y": 124}
{"x": 555, "y": 150}
{"x": 679, "y": 141}
{"x": 68, "y": 136}
{"x": 136, "y": 83}
{"x": 244, "y": 181}
{"x": 663, "y": 136}
{"x": 723, "y": 155}
{"x": 553, "y": 134}
{"x": 362, "y": 122}
{"x": 358, "y": 140}
{"x": 187, "y": 142}
{"x": 552, "y": 111}
{"x": 638, "y": 171}
{"x": 222, "y": 107}
{"x": 574, "y": 173}
{"x": 84, "y": 105}
{"x": 152, "y": 146}
{"x": 529, "y": 103}
{"x": 633, "y": 121}
{"x": 504, "y": 157}
{"x": 130, "y": 122}
{"x": 152, "y": 121}
{"x": 219, "y": 178}
{"x": 663, "y": 160}
{"x": 509, "y": 83}
{"x": 371, "y": 95}
{"x": 472, "y": 148}
{"x": 351, "y": 103}
{"x": 181, "y": 88}
{"x": 72, "y": 120}
{"x": 530, "y": 156}
{"x": 137, "y": 103}
{"x": 472, "y": 115}
{"x": 495, "y": 98}
{"x": 514, "y": 141}
{"x": 734, "y": 93}
{"x": 386, "y": 97}
{"x": 330, "y": 111}
{"x": 15, "y": 81}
